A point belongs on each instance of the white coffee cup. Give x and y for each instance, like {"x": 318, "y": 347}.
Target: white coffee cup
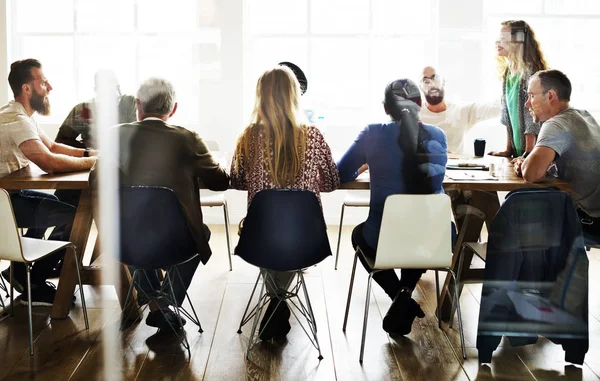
{"x": 492, "y": 168}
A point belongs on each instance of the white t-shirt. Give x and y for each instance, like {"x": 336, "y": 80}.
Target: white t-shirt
{"x": 15, "y": 128}
{"x": 457, "y": 120}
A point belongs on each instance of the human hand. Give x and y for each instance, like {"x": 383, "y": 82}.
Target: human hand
{"x": 500, "y": 153}
{"x": 517, "y": 163}
{"x": 363, "y": 168}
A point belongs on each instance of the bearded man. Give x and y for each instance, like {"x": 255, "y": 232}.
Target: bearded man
{"x": 22, "y": 142}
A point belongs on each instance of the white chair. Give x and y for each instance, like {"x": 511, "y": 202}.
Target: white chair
{"x": 352, "y": 199}
{"x": 415, "y": 234}
{"x": 15, "y": 248}
{"x": 210, "y": 199}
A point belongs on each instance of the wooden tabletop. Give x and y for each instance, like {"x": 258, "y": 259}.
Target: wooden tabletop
{"x": 32, "y": 177}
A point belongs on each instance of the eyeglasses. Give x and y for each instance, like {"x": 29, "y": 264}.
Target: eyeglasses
{"x": 434, "y": 80}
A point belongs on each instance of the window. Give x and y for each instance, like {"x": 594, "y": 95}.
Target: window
{"x": 75, "y": 38}
{"x": 349, "y": 50}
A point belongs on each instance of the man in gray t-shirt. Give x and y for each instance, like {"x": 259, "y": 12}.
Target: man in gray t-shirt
{"x": 568, "y": 138}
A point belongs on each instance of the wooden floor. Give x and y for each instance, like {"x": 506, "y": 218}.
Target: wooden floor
{"x": 66, "y": 351}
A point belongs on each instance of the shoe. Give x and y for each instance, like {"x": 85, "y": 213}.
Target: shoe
{"x": 279, "y": 325}
{"x": 161, "y": 318}
{"x": 402, "y": 313}
{"x": 41, "y": 295}
{"x": 15, "y": 283}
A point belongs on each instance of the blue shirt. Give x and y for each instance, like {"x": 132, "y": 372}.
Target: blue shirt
{"x": 377, "y": 146}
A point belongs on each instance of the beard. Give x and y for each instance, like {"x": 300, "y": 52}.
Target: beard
{"x": 40, "y": 104}
{"x": 435, "y": 99}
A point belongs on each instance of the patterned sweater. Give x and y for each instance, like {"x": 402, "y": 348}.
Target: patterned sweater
{"x": 318, "y": 171}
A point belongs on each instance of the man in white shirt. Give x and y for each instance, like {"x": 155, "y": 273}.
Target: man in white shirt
{"x": 454, "y": 119}
{"x": 22, "y": 141}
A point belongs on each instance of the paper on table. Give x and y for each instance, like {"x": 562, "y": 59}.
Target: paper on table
{"x": 470, "y": 176}
{"x": 536, "y": 308}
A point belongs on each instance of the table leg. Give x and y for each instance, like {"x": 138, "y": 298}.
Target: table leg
{"x": 482, "y": 207}
{"x": 68, "y": 276}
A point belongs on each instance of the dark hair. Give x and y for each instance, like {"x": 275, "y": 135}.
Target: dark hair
{"x": 20, "y": 74}
{"x": 300, "y": 76}
{"x": 555, "y": 80}
{"x": 402, "y": 100}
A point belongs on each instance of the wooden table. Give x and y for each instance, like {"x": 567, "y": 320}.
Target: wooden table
{"x": 33, "y": 177}
{"x": 483, "y": 206}
{"x": 484, "y": 202}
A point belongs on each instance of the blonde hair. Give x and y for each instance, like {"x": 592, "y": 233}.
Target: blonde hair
{"x": 528, "y": 56}
{"x": 277, "y": 117}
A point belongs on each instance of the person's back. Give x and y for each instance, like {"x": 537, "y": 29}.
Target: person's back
{"x": 379, "y": 145}
{"x": 578, "y": 148}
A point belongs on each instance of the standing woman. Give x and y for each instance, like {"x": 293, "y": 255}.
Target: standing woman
{"x": 280, "y": 150}
{"x": 519, "y": 57}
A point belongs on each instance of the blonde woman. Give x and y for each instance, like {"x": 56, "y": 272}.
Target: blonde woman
{"x": 519, "y": 57}
{"x": 278, "y": 150}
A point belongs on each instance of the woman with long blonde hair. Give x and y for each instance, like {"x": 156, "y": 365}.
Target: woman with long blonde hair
{"x": 279, "y": 149}
{"x": 519, "y": 57}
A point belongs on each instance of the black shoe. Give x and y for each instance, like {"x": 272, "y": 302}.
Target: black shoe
{"x": 161, "y": 319}
{"x": 279, "y": 325}
{"x": 402, "y": 313}
{"x": 18, "y": 286}
{"x": 41, "y": 295}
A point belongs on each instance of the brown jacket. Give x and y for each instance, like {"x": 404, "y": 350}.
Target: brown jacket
{"x": 153, "y": 152}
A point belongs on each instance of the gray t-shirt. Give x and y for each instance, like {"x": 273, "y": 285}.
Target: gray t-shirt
{"x": 575, "y": 136}
{"x": 15, "y": 128}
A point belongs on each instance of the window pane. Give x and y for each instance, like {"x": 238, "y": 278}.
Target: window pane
{"x": 275, "y": 16}
{"x": 561, "y": 40}
{"x": 388, "y": 64}
{"x": 43, "y": 16}
{"x": 167, "y": 17}
{"x": 56, "y": 57}
{"x": 340, "y": 16}
{"x": 573, "y": 7}
{"x": 340, "y": 81}
{"x": 513, "y": 6}
{"x": 117, "y": 54}
{"x": 180, "y": 71}
{"x": 387, "y": 17}
{"x": 92, "y": 16}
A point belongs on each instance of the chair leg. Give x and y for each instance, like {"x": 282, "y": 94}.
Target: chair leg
{"x": 226, "y": 213}
{"x": 12, "y": 292}
{"x": 350, "y": 292}
{"x": 29, "y": 312}
{"x": 437, "y": 296}
{"x": 129, "y": 293}
{"x": 195, "y": 318}
{"x": 460, "y": 323}
{"x": 255, "y": 322}
{"x": 337, "y": 252}
{"x": 312, "y": 315}
{"x": 244, "y": 321}
{"x": 364, "y": 332}
{"x": 85, "y": 315}
{"x": 461, "y": 260}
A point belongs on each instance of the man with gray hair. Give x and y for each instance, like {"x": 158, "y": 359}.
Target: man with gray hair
{"x": 156, "y": 153}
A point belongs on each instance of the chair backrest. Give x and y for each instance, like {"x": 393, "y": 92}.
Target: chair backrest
{"x": 154, "y": 231}
{"x": 415, "y": 232}
{"x": 284, "y": 230}
{"x": 10, "y": 243}
{"x": 532, "y": 235}
{"x": 212, "y": 145}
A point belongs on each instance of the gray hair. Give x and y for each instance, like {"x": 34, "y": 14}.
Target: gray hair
{"x": 157, "y": 96}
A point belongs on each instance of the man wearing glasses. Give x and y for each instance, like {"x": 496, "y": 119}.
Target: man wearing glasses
{"x": 454, "y": 119}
